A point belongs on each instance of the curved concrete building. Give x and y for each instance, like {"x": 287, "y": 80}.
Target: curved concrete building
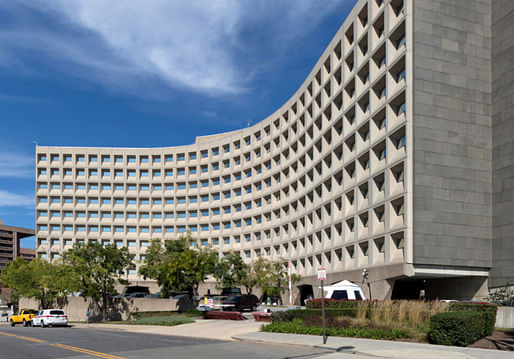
{"x": 380, "y": 160}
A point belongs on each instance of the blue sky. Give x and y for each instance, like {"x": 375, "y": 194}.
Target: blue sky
{"x": 144, "y": 74}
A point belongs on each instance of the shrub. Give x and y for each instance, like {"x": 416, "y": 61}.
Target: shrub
{"x": 297, "y": 326}
{"x": 489, "y": 310}
{"x": 459, "y": 328}
{"x": 473, "y": 307}
{"x": 289, "y": 315}
{"x": 333, "y": 304}
{"x": 411, "y": 313}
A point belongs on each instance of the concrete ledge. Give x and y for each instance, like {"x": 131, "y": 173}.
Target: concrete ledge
{"x": 214, "y": 314}
{"x": 262, "y": 316}
{"x": 505, "y": 317}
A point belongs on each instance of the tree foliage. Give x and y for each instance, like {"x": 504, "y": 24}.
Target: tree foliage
{"x": 37, "y": 279}
{"x": 501, "y": 295}
{"x": 231, "y": 272}
{"x": 272, "y": 277}
{"x": 97, "y": 269}
{"x": 177, "y": 265}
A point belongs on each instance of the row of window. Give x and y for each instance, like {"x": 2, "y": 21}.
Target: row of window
{"x": 378, "y": 212}
{"x": 145, "y": 215}
{"x": 360, "y": 249}
{"x": 144, "y": 201}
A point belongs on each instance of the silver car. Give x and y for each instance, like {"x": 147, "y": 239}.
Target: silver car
{"x": 50, "y": 317}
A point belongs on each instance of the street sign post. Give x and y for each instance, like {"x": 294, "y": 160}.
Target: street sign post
{"x": 290, "y": 285}
{"x": 322, "y": 275}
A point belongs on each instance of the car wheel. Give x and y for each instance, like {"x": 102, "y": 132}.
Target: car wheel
{"x": 12, "y": 323}
{"x": 24, "y": 323}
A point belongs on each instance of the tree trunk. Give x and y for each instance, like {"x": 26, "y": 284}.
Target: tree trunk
{"x": 104, "y": 308}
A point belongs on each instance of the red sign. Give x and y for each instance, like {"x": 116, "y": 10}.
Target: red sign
{"x": 322, "y": 274}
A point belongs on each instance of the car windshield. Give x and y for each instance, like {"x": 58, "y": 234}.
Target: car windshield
{"x": 31, "y": 311}
{"x": 56, "y": 312}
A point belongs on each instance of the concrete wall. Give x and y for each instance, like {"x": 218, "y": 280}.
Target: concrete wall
{"x": 120, "y": 309}
{"x": 452, "y": 133}
{"x": 502, "y": 272}
{"x": 505, "y": 317}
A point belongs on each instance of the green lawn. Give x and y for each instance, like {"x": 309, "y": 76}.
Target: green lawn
{"x": 167, "y": 320}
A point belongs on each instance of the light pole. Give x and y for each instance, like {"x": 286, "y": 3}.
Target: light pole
{"x": 365, "y": 277}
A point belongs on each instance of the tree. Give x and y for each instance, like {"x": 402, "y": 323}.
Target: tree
{"x": 501, "y": 295}
{"x": 177, "y": 266}
{"x": 232, "y": 272}
{"x": 272, "y": 277}
{"x": 97, "y": 270}
{"x": 37, "y": 279}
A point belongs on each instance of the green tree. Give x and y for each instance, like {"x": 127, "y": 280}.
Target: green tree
{"x": 231, "y": 272}
{"x": 272, "y": 276}
{"x": 37, "y": 279}
{"x": 501, "y": 295}
{"x": 97, "y": 269}
{"x": 177, "y": 266}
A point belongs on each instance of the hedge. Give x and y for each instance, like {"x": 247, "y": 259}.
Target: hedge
{"x": 333, "y": 304}
{"x": 289, "y": 315}
{"x": 490, "y": 320}
{"x": 473, "y": 307}
{"x": 297, "y": 326}
{"x": 460, "y": 328}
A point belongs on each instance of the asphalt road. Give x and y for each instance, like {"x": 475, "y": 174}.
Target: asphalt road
{"x": 20, "y": 342}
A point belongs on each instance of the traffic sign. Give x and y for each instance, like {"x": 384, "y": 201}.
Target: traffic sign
{"x": 322, "y": 274}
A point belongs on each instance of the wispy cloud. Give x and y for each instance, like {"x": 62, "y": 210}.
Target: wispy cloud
{"x": 16, "y": 165}
{"x": 25, "y": 99}
{"x": 199, "y": 45}
{"x": 9, "y": 199}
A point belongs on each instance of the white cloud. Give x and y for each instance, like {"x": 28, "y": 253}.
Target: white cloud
{"x": 125, "y": 44}
{"x": 16, "y": 165}
{"x": 9, "y": 199}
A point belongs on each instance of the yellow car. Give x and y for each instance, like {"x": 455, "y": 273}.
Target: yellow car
{"x": 24, "y": 316}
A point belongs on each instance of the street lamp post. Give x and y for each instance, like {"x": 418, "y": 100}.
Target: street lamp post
{"x": 365, "y": 277}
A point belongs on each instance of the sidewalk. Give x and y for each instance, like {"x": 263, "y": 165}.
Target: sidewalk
{"x": 344, "y": 348}
{"x": 209, "y": 329}
{"x": 368, "y": 348}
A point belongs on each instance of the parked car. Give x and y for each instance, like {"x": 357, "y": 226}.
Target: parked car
{"x": 153, "y": 295}
{"x": 240, "y": 302}
{"x": 121, "y": 296}
{"x": 510, "y": 302}
{"x": 50, "y": 317}
{"x": 137, "y": 295}
{"x": 23, "y": 316}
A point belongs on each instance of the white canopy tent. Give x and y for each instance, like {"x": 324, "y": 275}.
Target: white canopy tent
{"x": 344, "y": 290}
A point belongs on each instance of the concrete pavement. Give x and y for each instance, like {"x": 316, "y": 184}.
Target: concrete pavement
{"x": 208, "y": 329}
{"x": 343, "y": 348}
{"x": 375, "y": 348}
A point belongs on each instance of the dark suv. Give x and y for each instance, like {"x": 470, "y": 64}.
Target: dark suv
{"x": 240, "y": 302}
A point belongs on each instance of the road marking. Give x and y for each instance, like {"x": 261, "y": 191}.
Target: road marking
{"x": 64, "y": 346}
{"x": 7, "y": 334}
{"x": 35, "y": 340}
{"x": 86, "y": 351}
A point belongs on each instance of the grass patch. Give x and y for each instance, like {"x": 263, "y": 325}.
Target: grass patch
{"x": 166, "y": 320}
{"x": 189, "y": 314}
